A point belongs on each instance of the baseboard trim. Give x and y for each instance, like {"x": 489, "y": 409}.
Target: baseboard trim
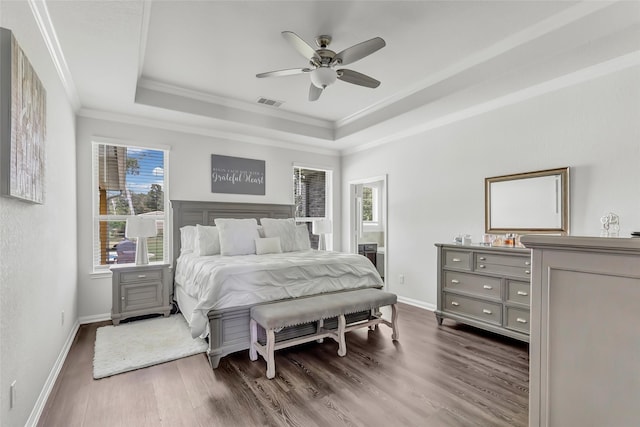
{"x": 94, "y": 318}
{"x": 417, "y": 303}
{"x": 36, "y": 412}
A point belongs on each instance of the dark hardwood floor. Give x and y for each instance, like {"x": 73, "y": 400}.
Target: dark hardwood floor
{"x": 452, "y": 375}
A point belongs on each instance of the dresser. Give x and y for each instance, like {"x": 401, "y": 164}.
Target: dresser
{"x": 485, "y": 287}
{"x": 585, "y": 339}
{"x": 139, "y": 290}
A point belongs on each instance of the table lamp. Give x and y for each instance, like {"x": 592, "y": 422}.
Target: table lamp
{"x": 141, "y": 228}
{"x": 321, "y": 227}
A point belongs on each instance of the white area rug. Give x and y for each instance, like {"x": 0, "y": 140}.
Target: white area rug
{"x": 143, "y": 343}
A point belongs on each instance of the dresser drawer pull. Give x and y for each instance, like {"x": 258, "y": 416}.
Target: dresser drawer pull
{"x": 122, "y": 298}
{"x": 454, "y": 281}
{"x": 488, "y": 287}
{"x": 141, "y": 276}
{"x": 527, "y": 263}
{"x": 523, "y": 293}
{"x": 456, "y": 259}
{"x": 481, "y": 266}
{"x": 521, "y": 320}
{"x": 485, "y": 311}
{"x": 454, "y": 303}
{"x": 483, "y": 258}
{"x": 527, "y": 272}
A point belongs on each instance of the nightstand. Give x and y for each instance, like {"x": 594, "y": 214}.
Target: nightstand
{"x": 139, "y": 290}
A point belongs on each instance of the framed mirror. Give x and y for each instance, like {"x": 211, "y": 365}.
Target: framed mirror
{"x": 532, "y": 202}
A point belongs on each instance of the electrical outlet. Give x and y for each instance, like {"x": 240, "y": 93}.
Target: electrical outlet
{"x": 401, "y": 279}
{"x": 62, "y": 318}
{"x": 12, "y": 395}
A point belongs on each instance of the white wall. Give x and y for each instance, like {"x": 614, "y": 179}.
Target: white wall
{"x": 38, "y": 250}
{"x": 189, "y": 179}
{"x": 436, "y": 179}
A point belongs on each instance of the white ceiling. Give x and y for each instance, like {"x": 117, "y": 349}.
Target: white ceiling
{"x": 192, "y": 64}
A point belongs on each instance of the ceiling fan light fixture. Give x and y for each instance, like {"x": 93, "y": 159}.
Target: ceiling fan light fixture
{"x": 323, "y": 77}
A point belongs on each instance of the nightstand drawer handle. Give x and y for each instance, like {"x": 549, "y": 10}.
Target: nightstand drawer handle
{"x": 521, "y": 320}
{"x": 527, "y": 263}
{"x": 455, "y": 304}
{"x": 455, "y": 259}
{"x": 141, "y": 276}
{"x": 527, "y": 272}
{"x": 481, "y": 266}
{"x": 122, "y": 298}
{"x": 485, "y": 311}
{"x": 483, "y": 258}
{"x": 454, "y": 281}
{"x": 523, "y": 293}
{"x": 488, "y": 287}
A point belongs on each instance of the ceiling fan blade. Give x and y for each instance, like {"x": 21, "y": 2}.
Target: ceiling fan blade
{"x": 359, "y": 51}
{"x": 357, "y": 78}
{"x": 301, "y": 45}
{"x": 314, "y": 92}
{"x": 280, "y": 73}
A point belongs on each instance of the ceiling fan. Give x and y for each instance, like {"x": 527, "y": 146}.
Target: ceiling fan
{"x": 323, "y": 63}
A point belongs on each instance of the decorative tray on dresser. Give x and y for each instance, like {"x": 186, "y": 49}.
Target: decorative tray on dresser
{"x": 486, "y": 287}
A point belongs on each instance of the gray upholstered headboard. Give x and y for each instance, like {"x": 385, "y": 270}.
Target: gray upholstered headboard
{"x": 186, "y": 212}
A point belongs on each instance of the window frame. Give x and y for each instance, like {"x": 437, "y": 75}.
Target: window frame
{"x": 97, "y": 267}
{"x": 328, "y": 198}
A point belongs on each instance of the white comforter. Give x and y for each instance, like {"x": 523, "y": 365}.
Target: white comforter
{"x": 218, "y": 282}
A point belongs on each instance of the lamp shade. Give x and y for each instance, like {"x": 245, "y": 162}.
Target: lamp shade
{"x": 321, "y": 226}
{"x": 140, "y": 227}
{"x": 323, "y": 77}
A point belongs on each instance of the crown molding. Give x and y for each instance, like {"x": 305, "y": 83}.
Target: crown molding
{"x": 144, "y": 33}
{"x": 265, "y": 110}
{"x": 45, "y": 25}
{"x": 203, "y": 131}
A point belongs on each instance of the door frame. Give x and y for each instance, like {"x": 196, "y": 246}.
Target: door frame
{"x": 353, "y": 215}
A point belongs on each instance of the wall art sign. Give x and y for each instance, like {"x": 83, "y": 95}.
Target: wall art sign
{"x": 23, "y": 102}
{"x": 235, "y": 175}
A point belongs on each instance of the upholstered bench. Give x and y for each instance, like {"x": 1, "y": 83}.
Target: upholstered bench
{"x": 275, "y": 316}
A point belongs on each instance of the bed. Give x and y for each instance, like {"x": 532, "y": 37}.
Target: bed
{"x": 224, "y": 316}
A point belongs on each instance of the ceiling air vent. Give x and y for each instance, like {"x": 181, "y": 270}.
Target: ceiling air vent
{"x": 271, "y": 102}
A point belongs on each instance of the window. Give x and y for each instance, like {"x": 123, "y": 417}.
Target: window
{"x": 312, "y": 197}
{"x": 127, "y": 181}
{"x": 371, "y": 207}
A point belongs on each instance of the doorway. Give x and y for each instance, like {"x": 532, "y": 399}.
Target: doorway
{"x": 368, "y": 220}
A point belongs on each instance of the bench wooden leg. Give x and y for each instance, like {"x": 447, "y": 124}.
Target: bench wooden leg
{"x": 342, "y": 345}
{"x": 253, "y": 327}
{"x": 319, "y": 329}
{"x": 271, "y": 363}
{"x": 394, "y": 323}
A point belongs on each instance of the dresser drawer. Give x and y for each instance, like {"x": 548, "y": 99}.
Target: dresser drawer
{"x": 483, "y": 310}
{"x": 485, "y": 287}
{"x": 145, "y": 276}
{"x": 503, "y": 270}
{"x": 518, "y": 292}
{"x": 510, "y": 260}
{"x": 140, "y": 296}
{"x": 457, "y": 259}
{"x": 518, "y": 319}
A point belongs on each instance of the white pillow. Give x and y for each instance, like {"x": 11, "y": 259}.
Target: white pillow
{"x": 207, "y": 241}
{"x": 283, "y": 228}
{"x": 187, "y": 238}
{"x": 237, "y": 236}
{"x": 302, "y": 238}
{"x": 268, "y": 245}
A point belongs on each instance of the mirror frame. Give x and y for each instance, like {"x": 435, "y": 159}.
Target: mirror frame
{"x": 564, "y": 197}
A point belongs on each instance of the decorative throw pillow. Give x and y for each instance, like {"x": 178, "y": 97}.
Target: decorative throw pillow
{"x": 268, "y": 245}
{"x": 237, "y": 236}
{"x": 302, "y": 238}
{"x": 187, "y": 239}
{"x": 283, "y": 228}
{"x": 207, "y": 241}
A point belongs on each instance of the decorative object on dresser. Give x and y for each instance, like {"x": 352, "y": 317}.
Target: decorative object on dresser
{"x": 485, "y": 287}
{"x": 585, "y": 339}
{"x": 143, "y": 343}
{"x": 140, "y": 290}
{"x": 140, "y": 228}
{"x": 322, "y": 227}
